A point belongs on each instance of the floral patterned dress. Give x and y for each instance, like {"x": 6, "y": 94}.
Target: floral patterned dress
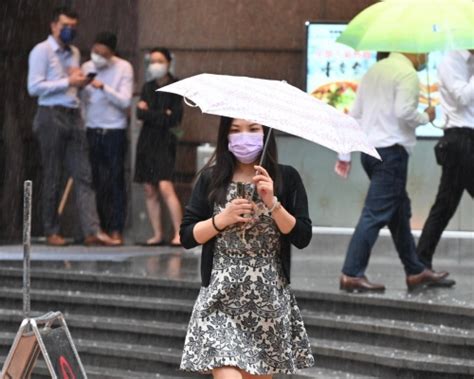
{"x": 247, "y": 317}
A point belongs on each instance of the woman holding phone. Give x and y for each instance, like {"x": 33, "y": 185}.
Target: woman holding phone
{"x": 246, "y": 322}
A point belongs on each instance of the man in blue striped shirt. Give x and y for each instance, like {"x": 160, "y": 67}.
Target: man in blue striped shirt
{"x": 54, "y": 76}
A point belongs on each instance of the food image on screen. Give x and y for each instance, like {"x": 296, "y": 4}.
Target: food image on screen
{"x": 334, "y": 71}
{"x": 340, "y": 94}
{"x": 432, "y": 92}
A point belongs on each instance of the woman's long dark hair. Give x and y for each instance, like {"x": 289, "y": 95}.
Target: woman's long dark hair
{"x": 223, "y": 163}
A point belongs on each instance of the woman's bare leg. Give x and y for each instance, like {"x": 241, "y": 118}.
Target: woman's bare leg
{"x": 171, "y": 199}
{"x": 235, "y": 373}
{"x": 227, "y": 373}
{"x": 154, "y": 211}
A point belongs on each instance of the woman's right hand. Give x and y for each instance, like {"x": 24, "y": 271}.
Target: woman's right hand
{"x": 342, "y": 168}
{"x": 233, "y": 212}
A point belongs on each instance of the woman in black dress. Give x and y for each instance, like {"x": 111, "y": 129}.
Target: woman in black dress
{"x": 156, "y": 148}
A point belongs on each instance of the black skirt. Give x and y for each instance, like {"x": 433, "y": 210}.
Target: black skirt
{"x": 156, "y": 155}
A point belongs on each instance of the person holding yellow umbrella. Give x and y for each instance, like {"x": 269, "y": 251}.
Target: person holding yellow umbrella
{"x": 386, "y": 107}
{"x": 412, "y": 26}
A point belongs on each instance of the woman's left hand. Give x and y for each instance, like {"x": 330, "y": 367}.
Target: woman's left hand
{"x": 264, "y": 184}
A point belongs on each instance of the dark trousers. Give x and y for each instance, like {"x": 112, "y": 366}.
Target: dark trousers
{"x": 107, "y": 150}
{"x": 387, "y": 203}
{"x": 63, "y": 143}
{"x": 455, "y": 153}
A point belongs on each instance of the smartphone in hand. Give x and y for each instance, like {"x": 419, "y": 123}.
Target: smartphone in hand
{"x": 90, "y": 76}
{"x": 241, "y": 190}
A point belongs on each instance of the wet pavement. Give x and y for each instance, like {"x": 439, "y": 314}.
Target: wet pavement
{"x": 317, "y": 268}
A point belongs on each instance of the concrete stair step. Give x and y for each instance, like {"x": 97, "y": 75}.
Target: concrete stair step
{"x": 102, "y": 283}
{"x": 70, "y": 302}
{"x": 381, "y": 307}
{"x": 103, "y": 300}
{"x": 108, "y": 373}
{"x": 426, "y": 338}
{"x": 388, "y": 362}
{"x": 111, "y": 329}
{"x": 120, "y": 356}
{"x": 95, "y": 372}
{"x": 109, "y": 323}
{"x": 324, "y": 373}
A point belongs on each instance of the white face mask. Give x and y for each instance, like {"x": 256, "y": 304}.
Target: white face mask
{"x": 157, "y": 70}
{"x": 99, "y": 60}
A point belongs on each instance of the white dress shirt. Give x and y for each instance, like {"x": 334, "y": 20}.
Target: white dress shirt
{"x": 386, "y": 104}
{"x": 107, "y": 108}
{"x": 456, "y": 76}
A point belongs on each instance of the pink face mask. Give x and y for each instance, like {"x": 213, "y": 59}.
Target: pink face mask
{"x": 246, "y": 147}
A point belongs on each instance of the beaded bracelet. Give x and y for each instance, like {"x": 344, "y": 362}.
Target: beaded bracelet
{"x": 276, "y": 204}
{"x": 215, "y": 226}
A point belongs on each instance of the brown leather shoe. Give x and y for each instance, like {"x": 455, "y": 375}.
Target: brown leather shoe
{"x": 425, "y": 277}
{"x": 355, "y": 284}
{"x": 56, "y": 240}
{"x": 101, "y": 239}
{"x": 117, "y": 236}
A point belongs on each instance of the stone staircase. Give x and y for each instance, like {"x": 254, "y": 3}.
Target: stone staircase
{"x": 134, "y": 327}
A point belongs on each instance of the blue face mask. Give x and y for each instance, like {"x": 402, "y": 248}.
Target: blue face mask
{"x": 67, "y": 34}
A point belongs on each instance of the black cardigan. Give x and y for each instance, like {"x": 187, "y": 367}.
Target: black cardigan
{"x": 292, "y": 196}
{"x": 158, "y": 102}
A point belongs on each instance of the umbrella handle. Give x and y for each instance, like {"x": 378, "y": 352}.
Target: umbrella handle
{"x": 428, "y": 84}
{"x": 429, "y": 100}
{"x": 262, "y": 157}
{"x": 189, "y": 103}
{"x": 429, "y": 93}
{"x": 441, "y": 126}
{"x": 429, "y": 96}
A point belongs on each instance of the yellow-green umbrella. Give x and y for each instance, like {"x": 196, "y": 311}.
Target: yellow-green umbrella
{"x": 412, "y": 26}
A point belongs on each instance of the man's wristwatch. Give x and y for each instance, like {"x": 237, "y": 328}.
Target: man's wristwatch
{"x": 276, "y": 205}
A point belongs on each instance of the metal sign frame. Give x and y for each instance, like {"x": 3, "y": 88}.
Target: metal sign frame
{"x": 28, "y": 344}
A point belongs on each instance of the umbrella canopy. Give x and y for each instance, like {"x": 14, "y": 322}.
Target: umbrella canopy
{"x": 275, "y": 104}
{"x": 412, "y": 26}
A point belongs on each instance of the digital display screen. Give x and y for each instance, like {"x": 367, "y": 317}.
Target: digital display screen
{"x": 334, "y": 70}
